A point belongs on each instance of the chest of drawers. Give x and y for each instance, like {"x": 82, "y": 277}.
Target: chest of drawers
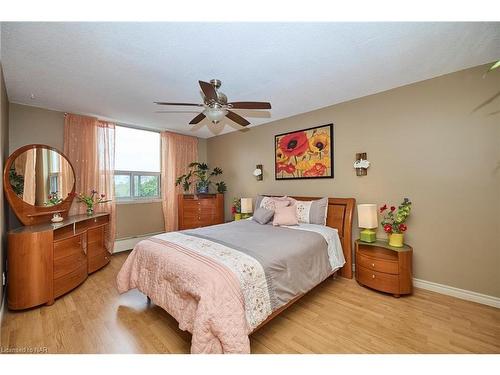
{"x": 383, "y": 267}
{"x": 46, "y": 261}
{"x": 201, "y": 210}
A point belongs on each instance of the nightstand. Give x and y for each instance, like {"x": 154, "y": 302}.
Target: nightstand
{"x": 383, "y": 267}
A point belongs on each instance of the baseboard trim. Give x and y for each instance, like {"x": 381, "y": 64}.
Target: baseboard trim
{"x": 125, "y": 244}
{"x": 457, "y": 292}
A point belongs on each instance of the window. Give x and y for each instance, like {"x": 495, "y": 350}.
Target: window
{"x": 137, "y": 164}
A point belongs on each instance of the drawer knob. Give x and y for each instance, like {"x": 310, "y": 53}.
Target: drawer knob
{"x": 373, "y": 276}
{"x": 373, "y": 265}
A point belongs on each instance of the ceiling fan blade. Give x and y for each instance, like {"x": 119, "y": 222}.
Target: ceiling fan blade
{"x": 197, "y": 119}
{"x": 251, "y": 105}
{"x": 237, "y": 118}
{"x": 208, "y": 90}
{"x": 176, "y": 111}
{"x": 186, "y": 104}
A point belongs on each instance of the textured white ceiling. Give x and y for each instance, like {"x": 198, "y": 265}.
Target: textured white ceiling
{"x": 117, "y": 70}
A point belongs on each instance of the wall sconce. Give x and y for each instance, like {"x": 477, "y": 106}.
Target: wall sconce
{"x": 361, "y": 164}
{"x": 258, "y": 173}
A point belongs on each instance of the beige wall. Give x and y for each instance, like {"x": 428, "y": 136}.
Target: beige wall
{"x": 35, "y": 125}
{"x": 38, "y": 125}
{"x": 4, "y": 146}
{"x": 424, "y": 142}
{"x": 135, "y": 219}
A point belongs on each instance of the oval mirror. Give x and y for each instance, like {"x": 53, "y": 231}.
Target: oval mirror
{"x": 41, "y": 176}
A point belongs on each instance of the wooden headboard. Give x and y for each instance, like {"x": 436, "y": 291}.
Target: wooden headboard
{"x": 340, "y": 215}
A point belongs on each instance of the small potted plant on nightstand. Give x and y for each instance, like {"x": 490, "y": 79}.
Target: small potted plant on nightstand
{"x": 394, "y": 220}
{"x": 236, "y": 209}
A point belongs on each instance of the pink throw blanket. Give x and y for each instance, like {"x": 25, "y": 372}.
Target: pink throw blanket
{"x": 201, "y": 294}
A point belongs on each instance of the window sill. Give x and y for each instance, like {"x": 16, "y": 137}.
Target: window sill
{"x": 138, "y": 201}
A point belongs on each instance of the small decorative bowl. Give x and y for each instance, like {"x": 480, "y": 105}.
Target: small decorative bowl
{"x": 57, "y": 218}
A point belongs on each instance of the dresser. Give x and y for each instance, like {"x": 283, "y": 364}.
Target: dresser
{"x": 383, "y": 267}
{"x": 48, "y": 260}
{"x": 200, "y": 210}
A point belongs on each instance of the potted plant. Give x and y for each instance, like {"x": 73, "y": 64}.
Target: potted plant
{"x": 200, "y": 174}
{"x": 236, "y": 208}
{"x": 394, "y": 220}
{"x": 53, "y": 199}
{"x": 92, "y": 200}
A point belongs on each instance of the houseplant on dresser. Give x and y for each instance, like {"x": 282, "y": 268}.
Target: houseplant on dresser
{"x": 200, "y": 174}
{"x": 92, "y": 200}
{"x": 394, "y": 220}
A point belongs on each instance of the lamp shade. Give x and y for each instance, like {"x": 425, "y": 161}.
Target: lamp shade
{"x": 246, "y": 205}
{"x": 215, "y": 114}
{"x": 367, "y": 216}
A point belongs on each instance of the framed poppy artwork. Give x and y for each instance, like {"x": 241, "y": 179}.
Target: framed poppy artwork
{"x": 304, "y": 154}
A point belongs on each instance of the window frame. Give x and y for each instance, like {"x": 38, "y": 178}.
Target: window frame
{"x": 131, "y": 198}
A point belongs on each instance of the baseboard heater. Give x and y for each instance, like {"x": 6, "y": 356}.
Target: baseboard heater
{"x": 128, "y": 243}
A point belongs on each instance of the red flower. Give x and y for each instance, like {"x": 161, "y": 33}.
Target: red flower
{"x": 402, "y": 227}
{"x": 388, "y": 228}
{"x": 283, "y": 167}
{"x": 393, "y": 208}
{"x": 294, "y": 144}
{"x": 233, "y": 210}
{"x": 383, "y": 208}
{"x": 318, "y": 169}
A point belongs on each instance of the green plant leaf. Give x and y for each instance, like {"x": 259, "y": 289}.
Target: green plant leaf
{"x": 494, "y": 66}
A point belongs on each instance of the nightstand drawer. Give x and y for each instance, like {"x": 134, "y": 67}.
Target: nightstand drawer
{"x": 380, "y": 265}
{"x": 378, "y": 280}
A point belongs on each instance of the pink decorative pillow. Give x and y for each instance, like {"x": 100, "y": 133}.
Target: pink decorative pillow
{"x": 285, "y": 216}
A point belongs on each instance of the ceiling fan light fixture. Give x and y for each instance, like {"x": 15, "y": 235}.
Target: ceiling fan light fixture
{"x": 215, "y": 114}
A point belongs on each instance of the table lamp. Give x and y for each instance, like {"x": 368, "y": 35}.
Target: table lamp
{"x": 367, "y": 219}
{"x": 246, "y": 207}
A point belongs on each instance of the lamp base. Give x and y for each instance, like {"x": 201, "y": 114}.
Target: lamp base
{"x": 368, "y": 235}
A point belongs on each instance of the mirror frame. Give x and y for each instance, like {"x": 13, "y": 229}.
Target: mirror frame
{"x": 25, "y": 212}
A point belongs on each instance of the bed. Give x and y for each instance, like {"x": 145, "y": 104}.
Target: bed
{"x": 223, "y": 282}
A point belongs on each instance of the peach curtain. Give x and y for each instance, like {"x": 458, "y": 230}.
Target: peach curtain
{"x": 66, "y": 179}
{"x": 90, "y": 146}
{"x": 29, "y": 177}
{"x": 177, "y": 151}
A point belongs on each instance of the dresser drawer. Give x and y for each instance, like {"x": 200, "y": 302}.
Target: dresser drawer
{"x": 72, "y": 247}
{"x": 378, "y": 280}
{"x": 98, "y": 220}
{"x": 380, "y": 265}
{"x": 96, "y": 235}
{"x": 66, "y": 265}
{"x": 98, "y": 261}
{"x": 70, "y": 281}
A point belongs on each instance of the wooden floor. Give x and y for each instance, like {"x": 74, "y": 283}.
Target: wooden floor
{"x": 339, "y": 316}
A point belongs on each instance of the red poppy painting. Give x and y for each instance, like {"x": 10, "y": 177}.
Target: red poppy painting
{"x": 305, "y": 153}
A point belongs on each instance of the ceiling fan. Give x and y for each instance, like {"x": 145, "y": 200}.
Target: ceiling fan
{"x": 216, "y": 105}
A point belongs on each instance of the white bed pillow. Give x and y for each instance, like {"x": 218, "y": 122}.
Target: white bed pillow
{"x": 311, "y": 212}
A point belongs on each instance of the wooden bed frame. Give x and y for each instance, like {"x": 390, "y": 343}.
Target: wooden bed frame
{"x": 339, "y": 216}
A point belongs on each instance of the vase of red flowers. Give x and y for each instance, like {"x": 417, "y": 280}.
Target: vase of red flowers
{"x": 394, "y": 220}
{"x": 236, "y": 209}
{"x": 92, "y": 200}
